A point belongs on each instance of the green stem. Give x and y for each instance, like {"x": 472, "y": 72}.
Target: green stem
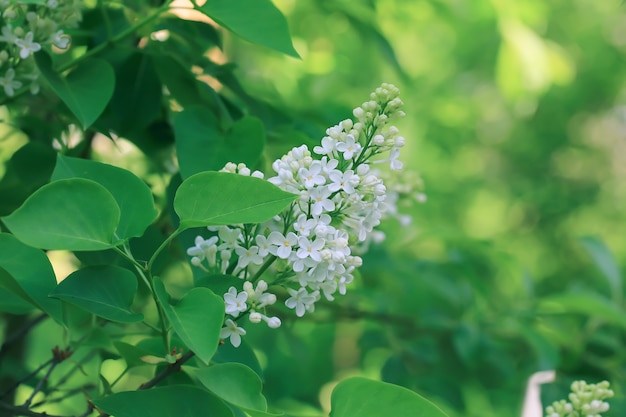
{"x": 123, "y": 34}
{"x": 266, "y": 265}
{"x": 146, "y": 275}
{"x": 165, "y": 243}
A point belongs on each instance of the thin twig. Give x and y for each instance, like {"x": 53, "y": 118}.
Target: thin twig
{"x": 26, "y": 378}
{"x": 167, "y": 371}
{"x": 41, "y": 383}
{"x": 175, "y": 367}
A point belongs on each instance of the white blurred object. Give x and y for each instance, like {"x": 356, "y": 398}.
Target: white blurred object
{"x": 532, "y": 399}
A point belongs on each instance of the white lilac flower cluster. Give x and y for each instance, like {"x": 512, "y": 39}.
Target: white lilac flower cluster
{"x": 25, "y": 28}
{"x": 585, "y": 400}
{"x": 311, "y": 248}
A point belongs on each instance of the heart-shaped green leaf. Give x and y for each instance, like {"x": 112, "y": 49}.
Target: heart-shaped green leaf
{"x": 197, "y": 318}
{"x": 262, "y": 23}
{"x": 174, "y": 400}
{"x": 132, "y": 195}
{"x": 86, "y": 90}
{"x": 234, "y": 383}
{"x": 72, "y": 214}
{"x": 217, "y": 198}
{"x": 367, "y": 398}
{"x": 28, "y": 274}
{"x": 201, "y": 146}
{"x": 106, "y": 291}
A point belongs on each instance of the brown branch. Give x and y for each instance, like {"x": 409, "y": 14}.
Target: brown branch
{"x": 175, "y": 367}
{"x": 26, "y": 378}
{"x": 167, "y": 371}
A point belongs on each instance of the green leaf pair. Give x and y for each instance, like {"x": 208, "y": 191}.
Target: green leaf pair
{"x": 353, "y": 397}
{"x": 27, "y": 276}
{"x": 87, "y": 206}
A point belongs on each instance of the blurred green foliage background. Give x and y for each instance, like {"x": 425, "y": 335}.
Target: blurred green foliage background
{"x": 517, "y": 124}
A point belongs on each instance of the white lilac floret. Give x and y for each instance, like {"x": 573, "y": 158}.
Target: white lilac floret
{"x": 26, "y": 29}
{"x": 310, "y": 251}
{"x": 585, "y": 400}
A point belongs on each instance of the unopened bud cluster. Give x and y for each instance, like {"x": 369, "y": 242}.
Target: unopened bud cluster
{"x": 310, "y": 248}
{"x": 27, "y": 28}
{"x": 585, "y": 400}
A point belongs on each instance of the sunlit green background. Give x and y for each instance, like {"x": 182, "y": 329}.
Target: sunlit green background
{"x": 517, "y": 125}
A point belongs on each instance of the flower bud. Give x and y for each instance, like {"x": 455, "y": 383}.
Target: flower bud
{"x": 261, "y": 286}
{"x": 273, "y": 322}
{"x": 255, "y": 317}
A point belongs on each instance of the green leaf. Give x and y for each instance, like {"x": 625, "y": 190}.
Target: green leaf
{"x": 106, "y": 291}
{"x": 72, "y": 214}
{"x": 28, "y": 169}
{"x": 590, "y": 305}
{"x": 261, "y": 23}
{"x": 234, "y": 383}
{"x": 28, "y": 274}
{"x": 132, "y": 195}
{"x": 181, "y": 83}
{"x": 10, "y": 302}
{"x": 86, "y": 90}
{"x": 243, "y": 354}
{"x": 136, "y": 100}
{"x": 197, "y": 318}
{"x": 174, "y": 400}
{"x": 366, "y": 398}
{"x": 218, "y": 198}
{"x": 606, "y": 264}
{"x": 201, "y": 146}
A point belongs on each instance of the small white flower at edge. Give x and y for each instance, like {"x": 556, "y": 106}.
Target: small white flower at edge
{"x": 27, "y": 45}
{"x": 232, "y": 332}
{"x": 9, "y": 83}
{"x": 235, "y": 303}
{"x": 301, "y": 300}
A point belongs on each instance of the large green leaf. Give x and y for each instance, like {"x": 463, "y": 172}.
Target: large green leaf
{"x": 71, "y": 214}
{"x": 86, "y": 90}
{"x": 234, "y": 383}
{"x": 197, "y": 318}
{"x": 132, "y": 195}
{"x": 174, "y": 400}
{"x": 367, "y": 398}
{"x": 257, "y": 21}
{"x": 28, "y": 274}
{"x": 201, "y": 146}
{"x": 214, "y": 198}
{"x": 106, "y": 291}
